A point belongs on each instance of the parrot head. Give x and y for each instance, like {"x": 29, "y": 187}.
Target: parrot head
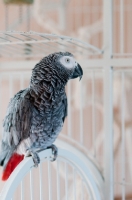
{"x": 59, "y": 65}
{"x": 69, "y": 64}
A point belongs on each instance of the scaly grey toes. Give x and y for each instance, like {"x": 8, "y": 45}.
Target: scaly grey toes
{"x": 35, "y": 157}
{"x": 54, "y": 152}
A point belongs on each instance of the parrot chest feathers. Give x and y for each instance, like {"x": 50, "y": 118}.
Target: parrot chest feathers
{"x": 48, "y": 125}
{"x": 49, "y": 96}
{"x": 44, "y": 129}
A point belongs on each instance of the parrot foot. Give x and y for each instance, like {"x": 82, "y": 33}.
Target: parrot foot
{"x": 35, "y": 157}
{"x": 54, "y": 152}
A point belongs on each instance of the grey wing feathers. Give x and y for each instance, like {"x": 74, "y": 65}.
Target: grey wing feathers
{"x": 65, "y": 108}
{"x": 16, "y": 124}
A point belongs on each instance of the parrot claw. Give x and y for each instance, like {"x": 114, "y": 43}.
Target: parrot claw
{"x": 54, "y": 152}
{"x": 35, "y": 157}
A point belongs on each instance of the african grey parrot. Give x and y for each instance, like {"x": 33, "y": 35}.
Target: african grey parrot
{"x": 35, "y": 116}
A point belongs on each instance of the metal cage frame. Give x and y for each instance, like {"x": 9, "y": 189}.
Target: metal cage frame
{"x": 86, "y": 168}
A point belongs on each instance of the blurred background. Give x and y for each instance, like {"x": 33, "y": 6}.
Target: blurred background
{"x": 85, "y": 20}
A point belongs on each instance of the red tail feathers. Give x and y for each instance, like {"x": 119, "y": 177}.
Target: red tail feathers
{"x": 11, "y": 165}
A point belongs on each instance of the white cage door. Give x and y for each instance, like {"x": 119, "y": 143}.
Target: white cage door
{"x": 67, "y": 178}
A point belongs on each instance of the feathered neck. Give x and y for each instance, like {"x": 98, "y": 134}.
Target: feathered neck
{"x": 47, "y": 85}
{"x": 47, "y": 93}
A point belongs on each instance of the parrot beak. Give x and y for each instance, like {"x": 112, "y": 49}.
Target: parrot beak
{"x": 78, "y": 72}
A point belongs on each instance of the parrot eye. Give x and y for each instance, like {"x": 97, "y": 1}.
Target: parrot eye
{"x": 67, "y": 60}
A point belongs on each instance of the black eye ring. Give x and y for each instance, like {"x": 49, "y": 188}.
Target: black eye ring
{"x": 67, "y": 60}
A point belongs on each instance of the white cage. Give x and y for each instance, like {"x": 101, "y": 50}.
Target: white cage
{"x": 99, "y": 122}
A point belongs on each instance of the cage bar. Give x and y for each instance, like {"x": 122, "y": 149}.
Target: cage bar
{"x": 22, "y": 190}
{"x": 69, "y": 110}
{"x": 41, "y": 183}
{"x": 58, "y": 180}
{"x": 93, "y": 113}
{"x": 81, "y": 114}
{"x": 74, "y": 183}
{"x": 31, "y": 185}
{"x": 66, "y": 181}
{"x": 123, "y": 133}
{"x": 49, "y": 180}
{"x": 121, "y": 26}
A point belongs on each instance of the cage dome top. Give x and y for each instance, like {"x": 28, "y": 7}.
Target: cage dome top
{"x": 37, "y": 45}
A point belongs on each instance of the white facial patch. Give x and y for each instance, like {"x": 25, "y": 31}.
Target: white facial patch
{"x": 68, "y": 62}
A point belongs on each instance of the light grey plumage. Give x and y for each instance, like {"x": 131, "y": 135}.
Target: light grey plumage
{"x": 35, "y": 116}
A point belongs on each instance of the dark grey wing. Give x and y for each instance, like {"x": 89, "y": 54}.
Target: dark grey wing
{"x": 16, "y": 125}
{"x": 65, "y": 108}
